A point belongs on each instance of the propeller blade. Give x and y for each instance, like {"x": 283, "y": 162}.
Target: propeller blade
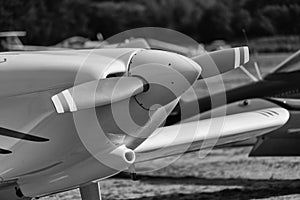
{"x": 133, "y": 140}
{"x": 97, "y": 93}
{"x": 224, "y": 60}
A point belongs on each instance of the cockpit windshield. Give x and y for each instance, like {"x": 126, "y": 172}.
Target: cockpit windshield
{"x": 291, "y": 64}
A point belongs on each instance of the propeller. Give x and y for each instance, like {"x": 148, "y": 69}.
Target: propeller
{"x": 157, "y": 117}
{"x": 97, "y": 93}
{"x": 223, "y": 60}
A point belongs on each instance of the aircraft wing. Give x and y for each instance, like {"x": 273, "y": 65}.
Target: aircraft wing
{"x": 283, "y": 141}
{"x": 209, "y": 133}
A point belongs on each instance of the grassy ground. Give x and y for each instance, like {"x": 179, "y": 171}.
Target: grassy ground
{"x": 276, "y": 44}
{"x": 223, "y": 174}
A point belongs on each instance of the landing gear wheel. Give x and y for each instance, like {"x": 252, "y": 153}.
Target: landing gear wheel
{"x": 133, "y": 176}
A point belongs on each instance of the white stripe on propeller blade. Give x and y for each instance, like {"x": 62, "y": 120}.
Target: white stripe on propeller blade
{"x": 246, "y": 55}
{"x": 70, "y": 100}
{"x": 237, "y": 57}
{"x": 58, "y": 106}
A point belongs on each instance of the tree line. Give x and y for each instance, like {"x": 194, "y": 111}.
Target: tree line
{"x": 50, "y": 21}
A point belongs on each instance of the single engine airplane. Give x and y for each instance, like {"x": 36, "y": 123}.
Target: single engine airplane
{"x": 72, "y": 118}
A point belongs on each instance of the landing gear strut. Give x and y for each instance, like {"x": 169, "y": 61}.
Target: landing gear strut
{"x": 90, "y": 191}
{"x": 132, "y": 172}
{"x": 133, "y": 176}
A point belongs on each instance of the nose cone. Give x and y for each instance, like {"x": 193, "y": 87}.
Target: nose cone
{"x": 168, "y": 75}
{"x": 185, "y": 66}
{"x": 189, "y": 68}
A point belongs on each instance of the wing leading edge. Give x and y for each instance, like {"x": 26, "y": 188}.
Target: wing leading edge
{"x": 210, "y": 133}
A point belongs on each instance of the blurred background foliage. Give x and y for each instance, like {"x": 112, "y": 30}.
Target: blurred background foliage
{"x": 50, "y": 21}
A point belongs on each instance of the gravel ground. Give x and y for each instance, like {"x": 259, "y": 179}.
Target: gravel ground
{"x": 223, "y": 174}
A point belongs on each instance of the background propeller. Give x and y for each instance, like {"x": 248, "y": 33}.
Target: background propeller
{"x": 218, "y": 62}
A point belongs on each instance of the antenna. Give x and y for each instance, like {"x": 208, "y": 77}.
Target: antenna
{"x": 245, "y": 36}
